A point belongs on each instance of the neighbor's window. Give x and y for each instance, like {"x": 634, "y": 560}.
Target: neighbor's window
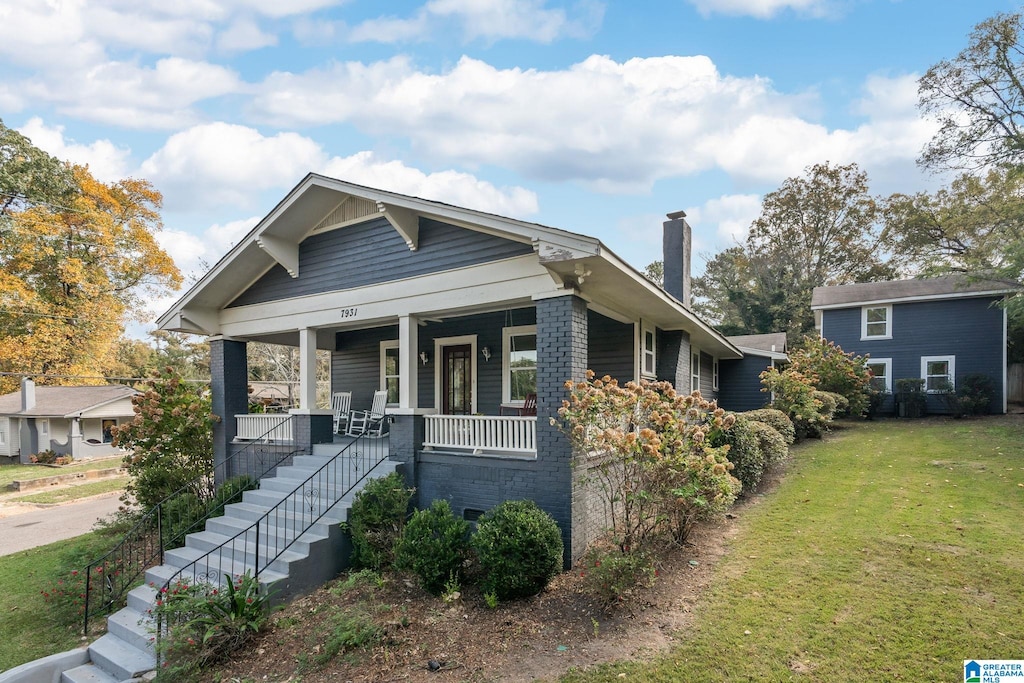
{"x": 649, "y": 357}
{"x": 695, "y": 371}
{"x": 875, "y": 322}
{"x": 3, "y": 437}
{"x": 519, "y": 363}
{"x": 938, "y": 372}
{"x": 881, "y": 376}
{"x": 44, "y": 428}
{"x": 107, "y": 427}
{"x": 389, "y": 372}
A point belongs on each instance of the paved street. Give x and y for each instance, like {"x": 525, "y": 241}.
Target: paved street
{"x": 23, "y": 527}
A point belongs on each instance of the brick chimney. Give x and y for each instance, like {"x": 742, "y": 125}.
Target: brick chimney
{"x": 28, "y": 394}
{"x": 676, "y": 242}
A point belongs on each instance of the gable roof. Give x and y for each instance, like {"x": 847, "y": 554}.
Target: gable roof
{"x": 65, "y": 402}
{"x": 771, "y": 345}
{"x": 901, "y": 291}
{"x": 319, "y": 203}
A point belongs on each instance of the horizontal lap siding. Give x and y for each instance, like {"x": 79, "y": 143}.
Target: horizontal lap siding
{"x": 610, "y": 348}
{"x": 373, "y": 252}
{"x": 355, "y": 363}
{"x": 970, "y": 329}
{"x": 739, "y": 383}
{"x": 707, "y": 377}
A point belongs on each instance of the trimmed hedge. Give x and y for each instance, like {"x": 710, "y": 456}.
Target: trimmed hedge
{"x": 777, "y": 420}
{"x": 519, "y": 547}
{"x": 434, "y": 546}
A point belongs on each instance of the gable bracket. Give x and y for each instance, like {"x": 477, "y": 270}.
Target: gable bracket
{"x": 286, "y": 253}
{"x": 404, "y": 221}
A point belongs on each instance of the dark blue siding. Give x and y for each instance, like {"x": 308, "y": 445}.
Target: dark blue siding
{"x": 373, "y": 252}
{"x": 739, "y": 383}
{"x": 355, "y": 363}
{"x": 610, "y": 347}
{"x": 707, "y": 377}
{"x": 970, "y": 329}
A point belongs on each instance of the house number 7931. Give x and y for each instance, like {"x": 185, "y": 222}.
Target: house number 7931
{"x": 349, "y": 312}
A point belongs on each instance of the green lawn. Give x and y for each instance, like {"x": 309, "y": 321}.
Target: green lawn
{"x": 74, "y": 492}
{"x": 891, "y": 551}
{"x": 9, "y": 473}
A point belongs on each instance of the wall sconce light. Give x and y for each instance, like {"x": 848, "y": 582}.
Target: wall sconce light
{"x": 486, "y": 351}
{"x": 424, "y": 357}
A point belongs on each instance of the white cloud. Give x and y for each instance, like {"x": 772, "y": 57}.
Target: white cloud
{"x": 244, "y": 35}
{"x": 762, "y": 9}
{"x": 106, "y": 161}
{"x": 729, "y": 216}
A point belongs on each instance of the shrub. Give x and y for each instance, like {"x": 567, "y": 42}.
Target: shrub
{"x": 794, "y": 395}
{"x": 972, "y": 397}
{"x": 835, "y": 371}
{"x": 777, "y": 420}
{"x": 519, "y": 547}
{"x": 649, "y": 454}
{"x": 744, "y": 452}
{"x": 377, "y": 519}
{"x": 910, "y": 397}
{"x": 611, "y": 575}
{"x": 186, "y": 512}
{"x": 433, "y": 546}
{"x": 47, "y": 457}
{"x": 773, "y": 444}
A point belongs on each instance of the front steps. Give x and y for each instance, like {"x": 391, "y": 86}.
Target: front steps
{"x": 126, "y": 651}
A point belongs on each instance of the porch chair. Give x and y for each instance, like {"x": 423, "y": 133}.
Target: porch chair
{"x": 341, "y": 405}
{"x": 369, "y": 421}
{"x": 529, "y": 404}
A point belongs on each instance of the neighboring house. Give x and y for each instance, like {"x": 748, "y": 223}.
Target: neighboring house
{"x": 459, "y": 315}
{"x": 936, "y": 329}
{"x": 739, "y": 380}
{"x": 73, "y": 421}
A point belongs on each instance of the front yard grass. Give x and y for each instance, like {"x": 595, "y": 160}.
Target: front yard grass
{"x": 892, "y": 550}
{"x": 73, "y": 492}
{"x": 10, "y": 473}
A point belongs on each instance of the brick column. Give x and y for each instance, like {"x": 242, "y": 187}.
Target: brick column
{"x": 561, "y": 356}
{"x": 405, "y": 437}
{"x": 229, "y": 389}
{"x": 674, "y": 359}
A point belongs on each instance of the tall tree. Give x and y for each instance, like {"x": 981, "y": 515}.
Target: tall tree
{"x": 978, "y": 99}
{"x": 822, "y": 228}
{"x": 72, "y": 273}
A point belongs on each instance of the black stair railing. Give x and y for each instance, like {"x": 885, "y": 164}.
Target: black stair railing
{"x": 165, "y": 525}
{"x": 257, "y": 547}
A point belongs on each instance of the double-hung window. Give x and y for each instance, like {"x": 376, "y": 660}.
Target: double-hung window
{"x": 389, "y": 370}
{"x": 519, "y": 363}
{"x": 876, "y": 322}
{"x": 695, "y": 370}
{"x": 938, "y": 373}
{"x": 648, "y": 352}
{"x": 714, "y": 374}
{"x": 107, "y": 429}
{"x": 881, "y": 374}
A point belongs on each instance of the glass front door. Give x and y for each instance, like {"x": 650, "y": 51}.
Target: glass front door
{"x": 457, "y": 380}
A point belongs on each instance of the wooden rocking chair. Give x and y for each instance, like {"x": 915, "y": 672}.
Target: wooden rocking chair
{"x": 369, "y": 421}
{"x": 341, "y": 405}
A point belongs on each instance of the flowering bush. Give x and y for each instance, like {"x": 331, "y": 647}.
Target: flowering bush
{"x": 611, "y": 575}
{"x": 838, "y": 372}
{"x": 654, "y": 462}
{"x": 793, "y": 394}
{"x": 777, "y": 420}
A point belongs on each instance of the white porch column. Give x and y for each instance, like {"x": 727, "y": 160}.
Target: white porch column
{"x": 408, "y": 358}
{"x": 307, "y": 369}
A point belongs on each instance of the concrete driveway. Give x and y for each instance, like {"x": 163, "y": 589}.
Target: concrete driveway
{"x": 28, "y": 526}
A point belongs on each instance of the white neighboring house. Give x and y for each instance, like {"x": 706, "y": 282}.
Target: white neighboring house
{"x": 72, "y": 421}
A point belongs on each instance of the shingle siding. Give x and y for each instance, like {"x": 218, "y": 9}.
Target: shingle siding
{"x": 969, "y": 329}
{"x": 373, "y": 252}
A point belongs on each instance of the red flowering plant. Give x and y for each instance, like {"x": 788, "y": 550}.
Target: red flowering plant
{"x": 647, "y": 450}
{"x": 202, "y": 623}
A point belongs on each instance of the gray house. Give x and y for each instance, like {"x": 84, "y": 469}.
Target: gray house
{"x": 936, "y": 329}
{"x": 459, "y": 315}
{"x": 72, "y": 421}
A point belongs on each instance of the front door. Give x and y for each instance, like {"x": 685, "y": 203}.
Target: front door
{"x": 457, "y": 379}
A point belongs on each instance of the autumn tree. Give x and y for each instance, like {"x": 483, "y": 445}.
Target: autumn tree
{"x": 72, "y": 273}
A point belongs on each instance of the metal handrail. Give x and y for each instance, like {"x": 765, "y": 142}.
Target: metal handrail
{"x": 293, "y": 516}
{"x": 165, "y": 525}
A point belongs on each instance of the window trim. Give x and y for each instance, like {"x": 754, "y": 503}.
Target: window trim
{"x": 43, "y": 426}
{"x": 864, "y": 336}
{"x": 887, "y": 362}
{"x": 3, "y": 432}
{"x": 506, "y": 361}
{"x": 439, "y": 344}
{"x": 103, "y": 437}
{"x": 950, "y": 360}
{"x": 385, "y": 346}
{"x": 646, "y": 328}
{"x": 694, "y": 369}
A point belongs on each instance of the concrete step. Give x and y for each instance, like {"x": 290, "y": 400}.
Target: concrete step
{"x": 119, "y": 658}
{"x": 142, "y": 598}
{"x": 237, "y": 553}
{"x": 255, "y": 512}
{"x": 232, "y": 526}
{"x": 208, "y": 540}
{"x": 161, "y": 574}
{"x": 87, "y": 673}
{"x": 133, "y": 627}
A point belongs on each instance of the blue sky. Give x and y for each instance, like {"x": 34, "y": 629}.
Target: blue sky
{"x": 593, "y": 116}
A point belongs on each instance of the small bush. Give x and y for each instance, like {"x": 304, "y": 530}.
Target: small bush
{"x": 972, "y": 397}
{"x": 842, "y": 404}
{"x": 377, "y": 519}
{"x": 611, "y": 575}
{"x": 772, "y": 444}
{"x": 744, "y": 453}
{"x": 794, "y": 394}
{"x": 47, "y": 457}
{"x": 834, "y": 371}
{"x": 777, "y": 420}
{"x": 910, "y": 397}
{"x": 519, "y": 547}
{"x": 433, "y": 546}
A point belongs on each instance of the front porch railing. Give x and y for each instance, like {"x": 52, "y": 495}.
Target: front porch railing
{"x": 481, "y": 433}
{"x": 263, "y": 426}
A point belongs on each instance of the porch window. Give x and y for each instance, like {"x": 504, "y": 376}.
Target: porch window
{"x": 695, "y": 371}
{"x": 389, "y": 370}
{"x": 648, "y": 351}
{"x": 519, "y": 363}
{"x": 108, "y": 430}
{"x": 876, "y": 322}
{"x": 881, "y": 375}
{"x": 938, "y": 372}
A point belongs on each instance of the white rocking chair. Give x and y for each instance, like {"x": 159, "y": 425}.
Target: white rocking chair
{"x": 369, "y": 421}
{"x": 341, "y": 405}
